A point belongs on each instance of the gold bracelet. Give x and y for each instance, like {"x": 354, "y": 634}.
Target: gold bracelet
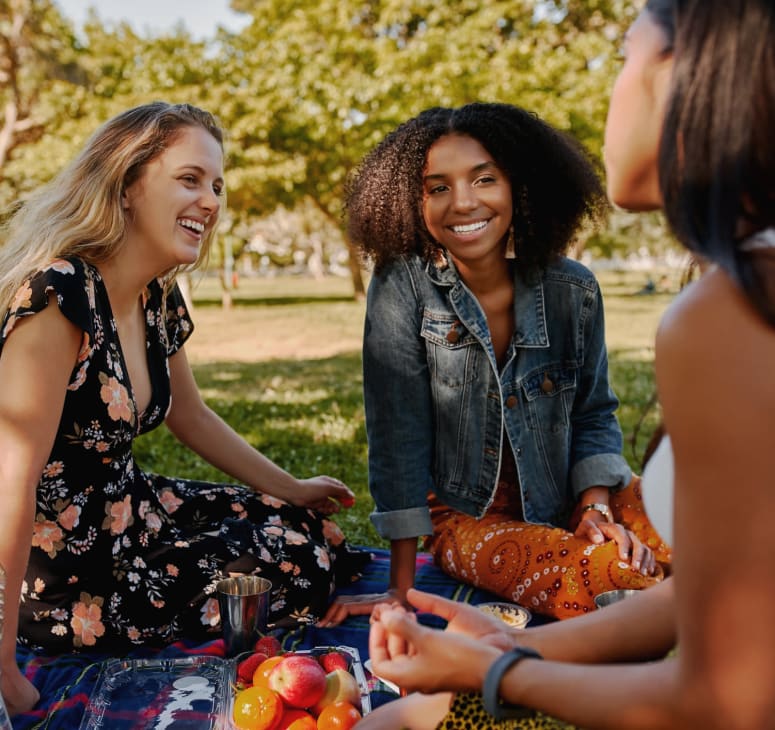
{"x": 603, "y": 509}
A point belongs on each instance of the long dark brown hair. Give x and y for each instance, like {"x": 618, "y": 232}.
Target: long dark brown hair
{"x": 717, "y": 156}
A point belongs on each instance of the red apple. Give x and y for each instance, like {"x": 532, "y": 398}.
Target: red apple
{"x": 299, "y": 680}
{"x": 341, "y": 686}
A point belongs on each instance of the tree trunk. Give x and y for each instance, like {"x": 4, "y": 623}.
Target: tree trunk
{"x": 183, "y": 280}
{"x": 353, "y": 262}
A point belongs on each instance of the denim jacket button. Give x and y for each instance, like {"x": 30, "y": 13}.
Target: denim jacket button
{"x": 511, "y": 401}
{"x": 547, "y": 386}
{"x": 453, "y": 336}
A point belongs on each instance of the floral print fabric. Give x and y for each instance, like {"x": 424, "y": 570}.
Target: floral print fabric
{"x": 120, "y": 556}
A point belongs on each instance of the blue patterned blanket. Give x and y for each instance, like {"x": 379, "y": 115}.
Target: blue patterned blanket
{"x": 65, "y": 682}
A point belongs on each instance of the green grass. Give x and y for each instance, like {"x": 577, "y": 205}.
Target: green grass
{"x": 307, "y": 414}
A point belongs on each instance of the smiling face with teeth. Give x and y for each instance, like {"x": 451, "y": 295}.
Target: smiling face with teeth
{"x": 176, "y": 201}
{"x": 467, "y": 202}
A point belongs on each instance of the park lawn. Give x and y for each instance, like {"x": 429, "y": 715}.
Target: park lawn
{"x": 282, "y": 366}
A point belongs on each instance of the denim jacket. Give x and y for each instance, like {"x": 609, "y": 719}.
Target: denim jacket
{"x": 437, "y": 406}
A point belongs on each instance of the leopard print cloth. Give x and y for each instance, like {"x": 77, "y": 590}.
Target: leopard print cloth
{"x": 467, "y": 713}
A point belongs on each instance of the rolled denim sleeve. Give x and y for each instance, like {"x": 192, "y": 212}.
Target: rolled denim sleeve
{"x": 596, "y": 452}
{"x": 397, "y": 400}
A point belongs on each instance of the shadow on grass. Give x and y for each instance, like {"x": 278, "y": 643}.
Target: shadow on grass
{"x": 307, "y": 416}
{"x": 274, "y": 301}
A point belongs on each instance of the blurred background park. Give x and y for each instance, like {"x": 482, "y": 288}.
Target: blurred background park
{"x": 304, "y": 88}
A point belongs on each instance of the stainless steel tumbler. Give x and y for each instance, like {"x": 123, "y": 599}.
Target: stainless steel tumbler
{"x": 244, "y": 605}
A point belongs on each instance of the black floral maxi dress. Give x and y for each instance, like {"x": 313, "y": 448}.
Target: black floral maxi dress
{"x": 122, "y": 557}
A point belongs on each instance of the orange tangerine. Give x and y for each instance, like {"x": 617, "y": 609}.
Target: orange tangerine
{"x": 257, "y": 708}
{"x": 338, "y": 716}
{"x": 294, "y": 719}
{"x": 262, "y": 670}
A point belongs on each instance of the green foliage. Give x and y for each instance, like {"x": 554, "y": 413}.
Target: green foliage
{"x": 308, "y": 87}
{"x": 66, "y": 86}
{"x": 334, "y": 77}
{"x": 38, "y": 62}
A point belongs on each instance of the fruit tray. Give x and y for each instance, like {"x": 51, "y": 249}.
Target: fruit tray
{"x": 186, "y": 693}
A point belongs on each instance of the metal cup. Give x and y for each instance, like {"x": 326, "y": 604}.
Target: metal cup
{"x": 609, "y": 597}
{"x": 244, "y": 605}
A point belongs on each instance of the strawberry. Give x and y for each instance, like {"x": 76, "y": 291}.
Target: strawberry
{"x": 247, "y": 667}
{"x": 269, "y": 645}
{"x": 347, "y": 501}
{"x": 334, "y": 660}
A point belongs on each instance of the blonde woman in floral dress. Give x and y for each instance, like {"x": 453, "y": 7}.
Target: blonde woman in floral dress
{"x": 104, "y": 555}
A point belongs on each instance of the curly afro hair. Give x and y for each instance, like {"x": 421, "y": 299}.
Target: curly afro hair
{"x": 555, "y": 185}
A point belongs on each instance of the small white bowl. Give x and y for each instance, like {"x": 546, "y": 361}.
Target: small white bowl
{"x": 511, "y": 614}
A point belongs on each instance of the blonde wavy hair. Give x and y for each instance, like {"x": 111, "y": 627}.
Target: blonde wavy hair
{"x": 79, "y": 212}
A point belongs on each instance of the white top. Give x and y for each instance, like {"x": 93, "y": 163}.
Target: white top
{"x": 760, "y": 240}
{"x": 657, "y": 486}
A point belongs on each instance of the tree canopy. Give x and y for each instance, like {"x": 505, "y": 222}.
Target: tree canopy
{"x": 306, "y": 88}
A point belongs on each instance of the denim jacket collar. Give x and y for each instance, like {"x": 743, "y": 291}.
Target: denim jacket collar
{"x": 529, "y": 310}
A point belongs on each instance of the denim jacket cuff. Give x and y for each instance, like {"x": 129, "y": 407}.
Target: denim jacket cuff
{"x": 601, "y": 470}
{"x": 403, "y": 523}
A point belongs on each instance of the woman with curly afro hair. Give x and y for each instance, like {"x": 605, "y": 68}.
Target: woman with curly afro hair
{"x": 490, "y": 420}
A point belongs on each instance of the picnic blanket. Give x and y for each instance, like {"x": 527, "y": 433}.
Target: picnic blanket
{"x": 66, "y": 681}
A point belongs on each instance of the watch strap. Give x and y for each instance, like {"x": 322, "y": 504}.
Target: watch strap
{"x": 492, "y": 681}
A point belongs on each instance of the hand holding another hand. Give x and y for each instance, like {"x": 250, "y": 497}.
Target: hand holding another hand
{"x": 463, "y": 618}
{"x": 424, "y": 659}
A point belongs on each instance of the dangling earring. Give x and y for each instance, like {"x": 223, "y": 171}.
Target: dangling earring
{"x": 511, "y": 244}
{"x": 439, "y": 257}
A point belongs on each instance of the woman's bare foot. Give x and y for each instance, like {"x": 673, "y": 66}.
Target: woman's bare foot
{"x": 19, "y": 693}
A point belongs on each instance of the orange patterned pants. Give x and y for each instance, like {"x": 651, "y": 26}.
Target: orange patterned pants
{"x": 546, "y": 569}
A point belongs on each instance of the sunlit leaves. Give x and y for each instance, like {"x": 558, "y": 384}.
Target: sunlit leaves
{"x": 307, "y": 87}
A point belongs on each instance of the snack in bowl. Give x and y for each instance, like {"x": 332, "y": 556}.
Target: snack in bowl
{"x": 517, "y": 617}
